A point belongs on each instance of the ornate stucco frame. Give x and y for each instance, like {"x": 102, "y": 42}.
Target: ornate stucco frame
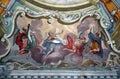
{"x": 57, "y": 74}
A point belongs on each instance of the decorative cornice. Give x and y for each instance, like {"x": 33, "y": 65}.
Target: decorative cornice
{"x": 59, "y": 74}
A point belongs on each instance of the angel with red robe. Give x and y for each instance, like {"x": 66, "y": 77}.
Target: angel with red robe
{"x": 76, "y": 45}
{"x": 26, "y": 40}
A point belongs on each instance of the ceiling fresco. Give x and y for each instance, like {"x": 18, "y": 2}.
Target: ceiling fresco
{"x": 53, "y": 35}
